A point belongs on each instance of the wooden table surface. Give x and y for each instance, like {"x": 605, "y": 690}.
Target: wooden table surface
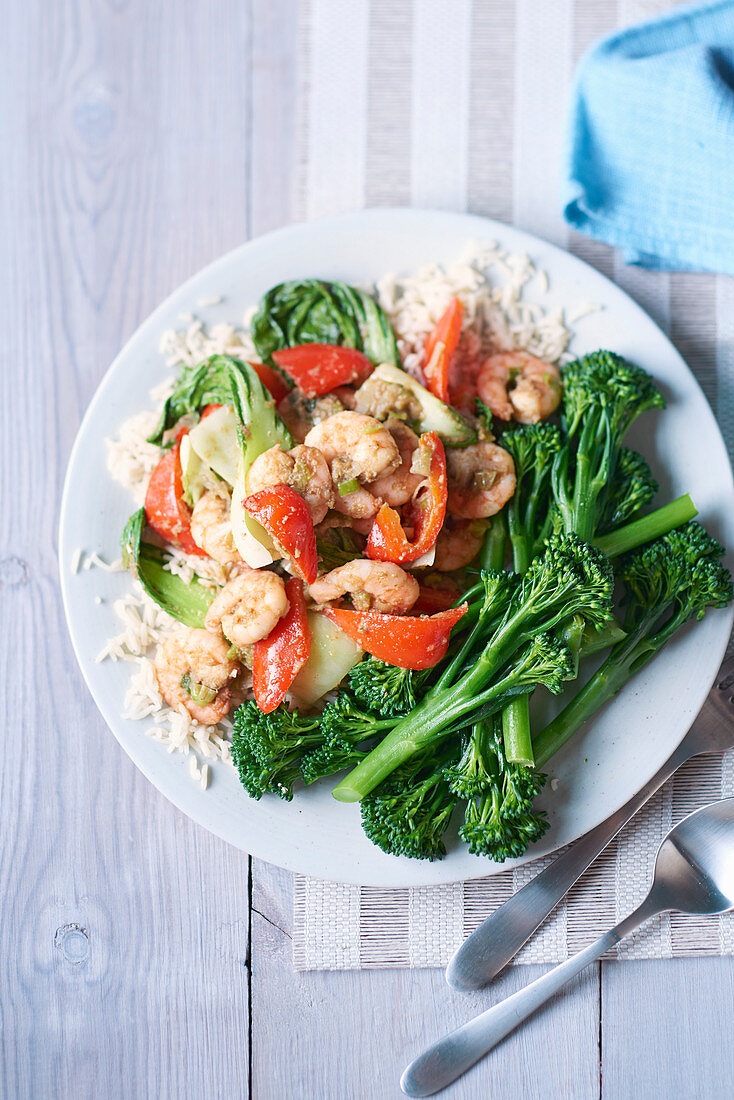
{"x": 141, "y": 957}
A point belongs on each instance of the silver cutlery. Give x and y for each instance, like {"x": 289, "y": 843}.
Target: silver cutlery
{"x": 498, "y": 938}
{"x": 694, "y": 873}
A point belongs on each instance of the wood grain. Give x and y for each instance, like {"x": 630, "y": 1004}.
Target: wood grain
{"x": 125, "y": 936}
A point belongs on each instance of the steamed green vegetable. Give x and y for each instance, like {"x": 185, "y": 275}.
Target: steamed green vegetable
{"x": 187, "y": 602}
{"x": 311, "y": 311}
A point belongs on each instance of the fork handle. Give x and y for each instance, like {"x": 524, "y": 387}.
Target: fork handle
{"x": 498, "y": 938}
{"x": 457, "y": 1052}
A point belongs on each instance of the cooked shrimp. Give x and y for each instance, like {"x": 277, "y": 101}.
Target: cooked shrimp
{"x": 481, "y": 480}
{"x": 397, "y": 487}
{"x": 458, "y": 544}
{"x": 356, "y": 447}
{"x": 193, "y": 668}
{"x": 304, "y": 468}
{"x": 382, "y": 399}
{"x": 211, "y": 527}
{"x": 519, "y": 386}
{"x": 248, "y": 607}
{"x": 300, "y": 413}
{"x": 372, "y": 585}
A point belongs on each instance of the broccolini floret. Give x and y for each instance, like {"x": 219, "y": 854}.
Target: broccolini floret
{"x": 499, "y": 820}
{"x": 346, "y": 731}
{"x": 267, "y": 748}
{"x": 385, "y": 689}
{"x": 667, "y": 583}
{"x": 409, "y": 813}
{"x": 603, "y": 395}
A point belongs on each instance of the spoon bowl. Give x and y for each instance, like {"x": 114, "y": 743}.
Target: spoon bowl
{"x": 694, "y": 869}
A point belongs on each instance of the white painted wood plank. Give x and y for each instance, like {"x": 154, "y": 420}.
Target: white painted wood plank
{"x": 351, "y": 1033}
{"x": 125, "y": 927}
{"x": 274, "y": 113}
{"x": 666, "y": 1029}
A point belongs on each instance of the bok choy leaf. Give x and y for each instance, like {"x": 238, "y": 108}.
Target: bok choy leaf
{"x": 188, "y": 603}
{"x": 311, "y": 311}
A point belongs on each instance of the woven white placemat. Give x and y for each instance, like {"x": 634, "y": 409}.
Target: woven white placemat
{"x": 460, "y": 104}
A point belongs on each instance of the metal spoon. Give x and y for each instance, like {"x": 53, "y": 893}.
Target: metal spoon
{"x": 694, "y": 873}
{"x": 500, "y": 936}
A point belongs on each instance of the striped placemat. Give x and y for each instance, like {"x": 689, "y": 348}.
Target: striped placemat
{"x": 460, "y": 105}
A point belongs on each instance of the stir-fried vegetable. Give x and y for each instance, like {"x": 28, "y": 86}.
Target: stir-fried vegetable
{"x": 424, "y": 514}
{"x": 311, "y": 311}
{"x": 277, "y": 659}
{"x": 319, "y": 368}
{"x": 187, "y": 602}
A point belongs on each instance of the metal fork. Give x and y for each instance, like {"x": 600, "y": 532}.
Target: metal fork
{"x": 498, "y": 939}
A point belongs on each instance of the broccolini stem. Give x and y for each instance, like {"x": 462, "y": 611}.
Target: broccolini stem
{"x": 521, "y": 552}
{"x": 493, "y": 551}
{"x": 602, "y": 687}
{"x": 594, "y": 641}
{"x": 649, "y": 527}
{"x": 516, "y": 732}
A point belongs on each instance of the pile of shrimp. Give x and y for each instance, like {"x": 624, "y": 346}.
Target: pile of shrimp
{"x": 360, "y": 438}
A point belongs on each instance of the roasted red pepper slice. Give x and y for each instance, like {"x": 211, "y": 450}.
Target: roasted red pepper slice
{"x": 440, "y": 347}
{"x": 274, "y": 383}
{"x": 286, "y": 516}
{"x": 387, "y": 540}
{"x": 320, "y": 368}
{"x": 402, "y": 640}
{"x": 277, "y": 659}
{"x": 166, "y": 512}
{"x": 433, "y": 599}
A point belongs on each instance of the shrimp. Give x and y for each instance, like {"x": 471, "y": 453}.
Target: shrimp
{"x": 372, "y": 585}
{"x": 382, "y": 399}
{"x": 458, "y": 545}
{"x": 200, "y": 661}
{"x": 248, "y": 607}
{"x": 397, "y": 487}
{"x": 519, "y": 386}
{"x": 356, "y": 447}
{"x": 211, "y": 527}
{"x": 304, "y": 468}
{"x": 300, "y": 413}
{"x": 481, "y": 480}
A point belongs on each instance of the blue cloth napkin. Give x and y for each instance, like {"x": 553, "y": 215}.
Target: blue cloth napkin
{"x": 651, "y": 141}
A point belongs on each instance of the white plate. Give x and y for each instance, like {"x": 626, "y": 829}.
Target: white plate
{"x": 599, "y": 770}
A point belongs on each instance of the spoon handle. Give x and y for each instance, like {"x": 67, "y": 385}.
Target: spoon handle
{"x": 500, "y": 936}
{"x": 457, "y": 1052}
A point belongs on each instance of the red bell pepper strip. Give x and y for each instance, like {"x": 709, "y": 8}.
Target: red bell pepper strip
{"x": 272, "y": 380}
{"x": 434, "y": 599}
{"x": 286, "y": 517}
{"x": 277, "y": 659}
{"x": 402, "y": 640}
{"x": 166, "y": 512}
{"x": 387, "y": 540}
{"x": 440, "y": 347}
{"x": 320, "y": 368}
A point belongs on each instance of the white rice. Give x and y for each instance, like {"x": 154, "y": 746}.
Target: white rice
{"x": 187, "y": 348}
{"x": 130, "y": 458}
{"x": 490, "y": 283}
{"x": 495, "y": 316}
